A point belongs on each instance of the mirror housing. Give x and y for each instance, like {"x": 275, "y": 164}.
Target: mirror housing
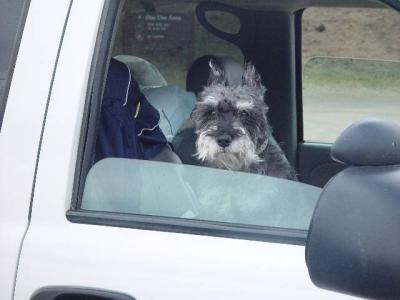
{"x": 353, "y": 243}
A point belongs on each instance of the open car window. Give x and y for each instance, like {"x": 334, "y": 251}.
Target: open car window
{"x": 351, "y": 68}
{"x": 189, "y": 131}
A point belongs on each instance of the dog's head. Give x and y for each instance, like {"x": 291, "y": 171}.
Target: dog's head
{"x": 230, "y": 121}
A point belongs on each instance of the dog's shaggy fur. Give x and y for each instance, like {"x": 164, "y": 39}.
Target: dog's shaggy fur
{"x": 232, "y": 127}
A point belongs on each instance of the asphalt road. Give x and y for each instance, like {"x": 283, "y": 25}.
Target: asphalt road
{"x": 326, "y": 116}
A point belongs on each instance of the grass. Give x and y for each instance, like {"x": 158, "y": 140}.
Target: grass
{"x": 343, "y": 75}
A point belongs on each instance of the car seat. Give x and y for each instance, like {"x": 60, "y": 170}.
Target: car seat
{"x": 199, "y": 72}
{"x": 129, "y": 124}
{"x": 145, "y": 73}
{"x": 172, "y": 102}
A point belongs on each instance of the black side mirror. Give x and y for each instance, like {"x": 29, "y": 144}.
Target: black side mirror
{"x": 353, "y": 244}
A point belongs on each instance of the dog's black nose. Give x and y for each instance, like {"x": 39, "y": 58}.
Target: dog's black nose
{"x": 224, "y": 140}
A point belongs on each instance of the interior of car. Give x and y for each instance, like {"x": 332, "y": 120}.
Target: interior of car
{"x": 269, "y": 34}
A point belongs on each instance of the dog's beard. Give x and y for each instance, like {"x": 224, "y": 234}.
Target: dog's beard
{"x": 239, "y": 155}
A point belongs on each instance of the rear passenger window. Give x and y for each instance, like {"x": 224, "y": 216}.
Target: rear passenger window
{"x": 351, "y": 68}
{"x": 12, "y": 18}
{"x": 180, "y": 138}
{"x": 168, "y": 148}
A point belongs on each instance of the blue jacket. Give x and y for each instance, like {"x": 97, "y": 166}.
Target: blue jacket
{"x": 128, "y": 126}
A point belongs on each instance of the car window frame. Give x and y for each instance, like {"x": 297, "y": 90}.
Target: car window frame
{"x": 101, "y": 58}
{"x": 13, "y": 58}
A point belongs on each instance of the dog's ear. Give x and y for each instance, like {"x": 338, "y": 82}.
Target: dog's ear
{"x": 252, "y": 78}
{"x": 217, "y": 75}
{"x": 192, "y": 113}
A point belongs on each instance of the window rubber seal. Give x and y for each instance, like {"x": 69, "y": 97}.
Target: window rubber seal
{"x": 94, "y": 94}
{"x": 189, "y": 226}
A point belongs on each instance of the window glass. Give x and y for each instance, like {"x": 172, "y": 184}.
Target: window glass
{"x": 150, "y": 159}
{"x": 10, "y": 20}
{"x": 184, "y": 191}
{"x": 171, "y": 38}
{"x": 351, "y": 68}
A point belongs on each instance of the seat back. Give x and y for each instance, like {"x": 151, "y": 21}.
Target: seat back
{"x": 145, "y": 73}
{"x": 128, "y": 125}
{"x": 172, "y": 102}
{"x": 174, "y": 105}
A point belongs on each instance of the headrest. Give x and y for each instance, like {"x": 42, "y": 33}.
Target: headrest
{"x": 117, "y": 83}
{"x": 199, "y": 72}
{"x": 174, "y": 105}
{"x": 145, "y": 73}
{"x": 368, "y": 142}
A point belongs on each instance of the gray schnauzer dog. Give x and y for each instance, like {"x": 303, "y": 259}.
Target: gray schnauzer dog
{"x": 232, "y": 127}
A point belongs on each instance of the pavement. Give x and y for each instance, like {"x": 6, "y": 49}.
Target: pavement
{"x": 326, "y": 116}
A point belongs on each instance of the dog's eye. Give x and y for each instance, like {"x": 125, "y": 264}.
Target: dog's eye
{"x": 211, "y": 112}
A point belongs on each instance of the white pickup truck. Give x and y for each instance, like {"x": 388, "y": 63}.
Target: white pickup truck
{"x": 126, "y": 228}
